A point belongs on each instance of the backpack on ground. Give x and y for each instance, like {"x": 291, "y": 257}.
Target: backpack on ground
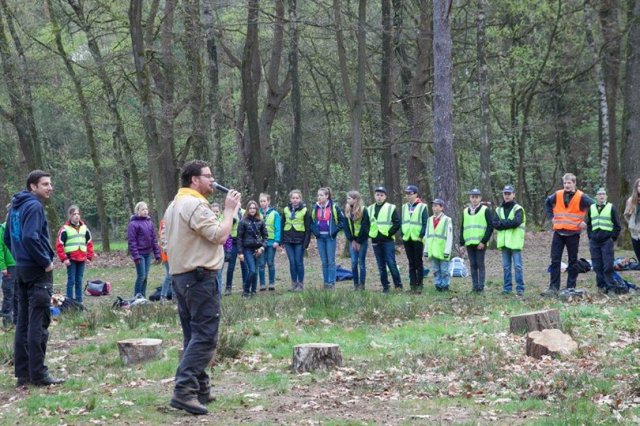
{"x": 155, "y": 296}
{"x": 343, "y": 274}
{"x": 121, "y": 303}
{"x": 97, "y": 288}
{"x": 584, "y": 265}
{"x": 624, "y": 263}
{"x": 457, "y": 268}
{"x": 620, "y": 285}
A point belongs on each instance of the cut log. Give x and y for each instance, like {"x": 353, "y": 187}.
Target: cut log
{"x": 133, "y": 351}
{"x": 551, "y": 342}
{"x": 313, "y": 356}
{"x": 535, "y": 321}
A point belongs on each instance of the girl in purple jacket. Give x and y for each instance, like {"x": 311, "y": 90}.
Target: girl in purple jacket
{"x": 143, "y": 243}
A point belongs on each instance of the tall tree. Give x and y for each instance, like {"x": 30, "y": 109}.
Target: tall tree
{"x": 85, "y": 109}
{"x": 355, "y": 102}
{"x": 123, "y": 149}
{"x": 214, "y": 111}
{"x": 296, "y": 107}
{"x": 444, "y": 168}
{"x": 483, "y": 89}
{"x": 631, "y": 116}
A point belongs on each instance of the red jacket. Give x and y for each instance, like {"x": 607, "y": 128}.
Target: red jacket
{"x": 76, "y": 255}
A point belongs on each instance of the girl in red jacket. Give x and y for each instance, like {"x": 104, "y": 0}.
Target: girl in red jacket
{"x": 75, "y": 248}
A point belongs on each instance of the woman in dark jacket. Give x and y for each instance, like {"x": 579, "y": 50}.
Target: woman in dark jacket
{"x": 252, "y": 241}
{"x": 357, "y": 233}
{"x": 296, "y": 233}
{"x": 143, "y": 243}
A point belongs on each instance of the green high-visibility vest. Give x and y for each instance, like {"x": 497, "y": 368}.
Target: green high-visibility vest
{"x": 412, "y": 222}
{"x": 297, "y": 222}
{"x": 601, "y": 220}
{"x": 383, "y": 223}
{"x": 475, "y": 226}
{"x": 236, "y": 222}
{"x": 354, "y": 226}
{"x": 436, "y": 238}
{"x": 512, "y": 238}
{"x": 76, "y": 239}
{"x": 270, "y": 223}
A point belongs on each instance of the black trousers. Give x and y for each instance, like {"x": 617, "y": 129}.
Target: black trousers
{"x": 199, "y": 311}
{"x": 602, "y": 260}
{"x": 476, "y": 261}
{"x": 9, "y": 296}
{"x": 416, "y": 267}
{"x": 558, "y": 243}
{"x": 34, "y": 287}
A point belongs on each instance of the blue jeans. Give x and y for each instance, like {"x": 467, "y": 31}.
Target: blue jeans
{"x": 327, "y": 250}
{"x": 358, "y": 266}
{"x": 233, "y": 257}
{"x": 386, "y": 256}
{"x": 250, "y": 262}
{"x": 440, "y": 273}
{"x": 267, "y": 258}
{"x": 512, "y": 257}
{"x": 142, "y": 272}
{"x": 166, "y": 284}
{"x": 295, "y": 254}
{"x": 75, "y": 273}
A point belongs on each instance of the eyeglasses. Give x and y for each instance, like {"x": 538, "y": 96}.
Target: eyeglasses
{"x": 208, "y": 176}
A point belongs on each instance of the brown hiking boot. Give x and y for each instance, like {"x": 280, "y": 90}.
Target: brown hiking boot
{"x": 189, "y": 404}
{"x": 206, "y": 398}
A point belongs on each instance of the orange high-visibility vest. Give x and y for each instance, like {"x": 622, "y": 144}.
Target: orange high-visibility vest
{"x": 567, "y": 218}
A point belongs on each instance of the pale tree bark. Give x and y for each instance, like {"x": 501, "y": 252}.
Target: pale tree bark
{"x": 386, "y": 110}
{"x": 444, "y": 168}
{"x": 631, "y": 115}
{"x": 214, "y": 111}
{"x": 85, "y": 109}
{"x": 123, "y": 149}
{"x": 611, "y": 70}
{"x": 296, "y": 134}
{"x": 603, "y": 109}
{"x": 355, "y": 102}
{"x": 483, "y": 89}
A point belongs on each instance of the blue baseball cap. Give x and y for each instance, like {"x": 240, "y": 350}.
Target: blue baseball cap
{"x": 411, "y": 189}
{"x": 508, "y": 188}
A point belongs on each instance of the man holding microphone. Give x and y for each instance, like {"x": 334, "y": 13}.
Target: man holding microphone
{"x": 195, "y": 238}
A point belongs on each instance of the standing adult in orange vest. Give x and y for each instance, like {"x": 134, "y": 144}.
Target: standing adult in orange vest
{"x": 566, "y": 209}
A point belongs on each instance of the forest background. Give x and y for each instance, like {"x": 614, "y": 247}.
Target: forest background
{"x": 113, "y": 96}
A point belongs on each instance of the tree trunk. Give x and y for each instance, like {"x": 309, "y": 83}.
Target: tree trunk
{"x": 444, "y": 169}
{"x": 99, "y": 177}
{"x": 386, "y": 110}
{"x": 124, "y": 151}
{"x": 534, "y": 321}
{"x": 313, "y": 356}
{"x": 296, "y": 135}
{"x": 483, "y": 89}
{"x": 611, "y": 70}
{"x": 214, "y": 110}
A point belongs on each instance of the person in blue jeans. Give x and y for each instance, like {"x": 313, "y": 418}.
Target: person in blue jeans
{"x": 438, "y": 243}
{"x": 384, "y": 224}
{"x": 143, "y": 244}
{"x": 233, "y": 255}
{"x": 357, "y": 233}
{"x": 252, "y": 242}
{"x": 272, "y": 221}
{"x": 296, "y": 233}
{"x": 74, "y": 247}
{"x": 509, "y": 223}
{"x": 326, "y": 221}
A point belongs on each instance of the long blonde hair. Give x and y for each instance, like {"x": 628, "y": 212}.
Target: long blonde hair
{"x": 356, "y": 209}
{"x": 632, "y": 201}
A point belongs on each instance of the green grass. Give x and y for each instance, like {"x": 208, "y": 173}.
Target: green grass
{"x": 441, "y": 358}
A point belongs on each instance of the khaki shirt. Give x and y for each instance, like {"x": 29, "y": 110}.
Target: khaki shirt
{"x": 192, "y": 234}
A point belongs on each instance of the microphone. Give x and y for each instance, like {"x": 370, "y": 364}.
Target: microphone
{"x": 223, "y": 189}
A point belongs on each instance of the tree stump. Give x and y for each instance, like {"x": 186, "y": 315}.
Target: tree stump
{"x": 133, "y": 351}
{"x": 535, "y": 321}
{"x": 313, "y": 356}
{"x": 549, "y": 342}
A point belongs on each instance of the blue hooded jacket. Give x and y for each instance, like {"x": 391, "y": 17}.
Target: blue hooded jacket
{"x": 27, "y": 232}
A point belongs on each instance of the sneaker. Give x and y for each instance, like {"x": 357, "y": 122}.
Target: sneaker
{"x": 506, "y": 292}
{"x": 520, "y": 295}
{"x": 190, "y": 405}
{"x": 294, "y": 286}
{"x": 272, "y": 288}
{"x": 299, "y": 287}
{"x": 550, "y": 292}
{"x": 263, "y": 289}
{"x": 245, "y": 295}
{"x": 227, "y": 291}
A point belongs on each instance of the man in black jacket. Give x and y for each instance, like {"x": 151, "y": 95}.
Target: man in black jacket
{"x": 603, "y": 228}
